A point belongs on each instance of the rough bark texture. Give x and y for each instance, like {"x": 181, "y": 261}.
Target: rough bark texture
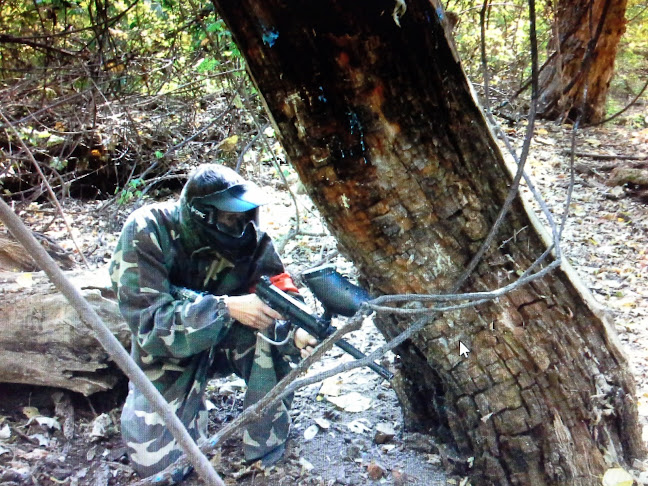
{"x": 563, "y": 82}
{"x": 43, "y": 342}
{"x": 380, "y": 123}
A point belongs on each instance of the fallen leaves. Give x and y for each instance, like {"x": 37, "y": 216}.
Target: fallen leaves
{"x": 323, "y": 423}
{"x": 359, "y": 426}
{"x": 617, "y": 477}
{"x": 384, "y": 433}
{"x": 376, "y": 471}
{"x": 351, "y": 402}
{"x": 229, "y": 144}
{"x": 311, "y": 432}
{"x": 100, "y": 425}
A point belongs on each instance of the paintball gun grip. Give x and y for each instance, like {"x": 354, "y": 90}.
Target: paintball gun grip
{"x": 296, "y": 312}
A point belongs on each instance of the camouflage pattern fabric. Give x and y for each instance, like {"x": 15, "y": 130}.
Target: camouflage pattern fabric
{"x": 272, "y": 430}
{"x": 182, "y": 341}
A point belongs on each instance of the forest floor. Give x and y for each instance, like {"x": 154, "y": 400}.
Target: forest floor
{"x": 347, "y": 430}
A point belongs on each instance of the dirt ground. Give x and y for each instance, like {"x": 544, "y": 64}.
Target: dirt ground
{"x": 347, "y": 430}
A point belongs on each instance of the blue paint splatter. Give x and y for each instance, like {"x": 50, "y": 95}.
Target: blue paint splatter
{"x": 356, "y": 126}
{"x": 158, "y": 478}
{"x": 321, "y": 97}
{"x": 439, "y": 12}
{"x": 270, "y": 36}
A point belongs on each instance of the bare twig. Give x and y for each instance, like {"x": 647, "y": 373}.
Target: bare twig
{"x": 260, "y": 133}
{"x": 62, "y": 101}
{"x": 47, "y": 185}
{"x": 624, "y": 109}
{"x": 10, "y": 39}
{"x": 484, "y": 61}
{"x": 513, "y": 191}
{"x": 593, "y": 155}
{"x": 281, "y": 244}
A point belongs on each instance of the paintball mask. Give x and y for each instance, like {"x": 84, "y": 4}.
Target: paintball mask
{"x": 230, "y": 211}
{"x": 223, "y": 210}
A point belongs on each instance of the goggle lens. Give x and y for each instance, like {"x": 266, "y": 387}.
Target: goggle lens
{"x": 232, "y": 224}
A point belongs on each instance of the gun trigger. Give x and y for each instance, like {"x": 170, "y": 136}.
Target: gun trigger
{"x": 283, "y": 329}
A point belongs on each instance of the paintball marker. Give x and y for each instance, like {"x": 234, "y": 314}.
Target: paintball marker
{"x": 338, "y": 297}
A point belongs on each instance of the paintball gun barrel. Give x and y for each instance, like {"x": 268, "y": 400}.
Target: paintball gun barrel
{"x": 338, "y": 297}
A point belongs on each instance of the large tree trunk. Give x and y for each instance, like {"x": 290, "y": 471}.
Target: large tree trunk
{"x": 381, "y": 124}
{"x": 570, "y": 75}
{"x": 42, "y": 340}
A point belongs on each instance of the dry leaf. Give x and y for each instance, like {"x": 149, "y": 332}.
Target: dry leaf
{"x": 229, "y": 144}
{"x": 307, "y": 466}
{"x": 376, "y": 471}
{"x": 25, "y": 280}
{"x": 323, "y": 423}
{"x": 48, "y": 422}
{"x": 331, "y": 387}
{"x": 100, "y": 425}
{"x": 35, "y": 455}
{"x": 311, "y": 432}
{"x": 358, "y": 427}
{"x": 5, "y": 432}
{"x": 351, "y": 402}
{"x": 42, "y": 440}
{"x": 617, "y": 476}
{"x": 30, "y": 412}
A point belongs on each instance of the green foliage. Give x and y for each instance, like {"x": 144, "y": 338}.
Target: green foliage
{"x": 129, "y": 47}
{"x": 97, "y": 86}
{"x": 631, "y": 69}
{"x": 507, "y": 40}
{"x": 508, "y": 48}
{"x": 133, "y": 190}
{"x": 57, "y": 164}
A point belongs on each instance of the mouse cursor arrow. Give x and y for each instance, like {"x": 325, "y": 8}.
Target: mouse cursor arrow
{"x": 463, "y": 350}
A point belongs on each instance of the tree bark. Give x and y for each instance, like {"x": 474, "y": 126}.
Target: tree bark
{"x": 376, "y": 115}
{"x": 573, "y": 73}
{"x": 43, "y": 342}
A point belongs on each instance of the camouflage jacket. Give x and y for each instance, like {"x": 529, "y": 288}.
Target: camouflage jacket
{"x": 154, "y": 253}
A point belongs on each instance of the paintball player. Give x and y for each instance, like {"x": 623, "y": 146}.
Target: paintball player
{"x": 184, "y": 273}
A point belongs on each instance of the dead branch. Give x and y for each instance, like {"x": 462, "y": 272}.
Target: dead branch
{"x": 10, "y": 39}
{"x": 598, "y": 156}
{"x": 49, "y": 188}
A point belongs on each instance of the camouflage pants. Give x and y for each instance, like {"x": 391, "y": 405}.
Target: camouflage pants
{"x": 151, "y": 446}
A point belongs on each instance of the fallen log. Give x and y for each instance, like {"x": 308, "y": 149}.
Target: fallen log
{"x": 14, "y": 258}
{"x": 626, "y": 175}
{"x": 44, "y": 342}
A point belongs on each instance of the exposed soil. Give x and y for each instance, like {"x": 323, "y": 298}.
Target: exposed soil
{"x": 330, "y": 444}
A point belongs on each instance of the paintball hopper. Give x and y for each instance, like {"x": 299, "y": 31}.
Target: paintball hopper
{"x": 335, "y": 292}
